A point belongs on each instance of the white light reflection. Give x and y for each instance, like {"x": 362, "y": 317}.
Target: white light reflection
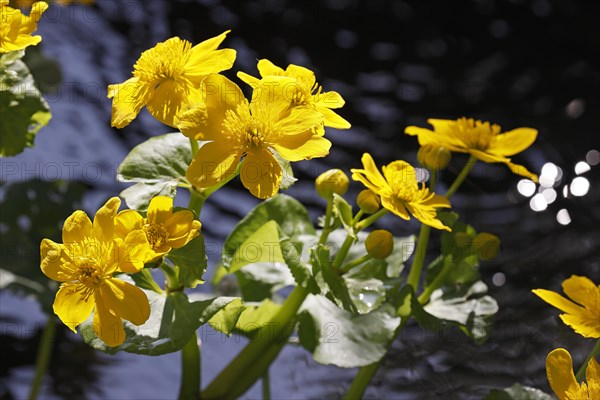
{"x": 499, "y": 279}
{"x": 422, "y": 174}
{"x": 526, "y": 187}
{"x": 593, "y": 157}
{"x": 580, "y": 186}
{"x": 549, "y": 195}
{"x": 566, "y": 191}
{"x": 563, "y": 217}
{"x": 548, "y": 175}
{"x": 582, "y": 167}
{"x": 538, "y": 203}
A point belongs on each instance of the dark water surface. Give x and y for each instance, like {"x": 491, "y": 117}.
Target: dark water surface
{"x": 517, "y": 63}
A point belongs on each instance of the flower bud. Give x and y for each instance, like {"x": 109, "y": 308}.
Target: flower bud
{"x": 368, "y": 201}
{"x": 463, "y": 240}
{"x": 433, "y": 156}
{"x": 486, "y": 246}
{"x": 330, "y": 182}
{"x": 379, "y": 244}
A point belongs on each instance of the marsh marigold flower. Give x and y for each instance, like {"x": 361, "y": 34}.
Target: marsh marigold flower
{"x": 400, "y": 192}
{"x": 480, "y": 139}
{"x": 582, "y": 312}
{"x": 304, "y": 91}
{"x": 85, "y": 264}
{"x": 236, "y": 129}
{"x": 559, "y": 369}
{"x": 164, "y": 228}
{"x": 166, "y": 79}
{"x": 16, "y": 28}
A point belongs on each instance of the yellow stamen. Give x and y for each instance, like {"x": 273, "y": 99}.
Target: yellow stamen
{"x": 156, "y": 235}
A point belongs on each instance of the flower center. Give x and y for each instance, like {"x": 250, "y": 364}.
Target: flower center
{"x": 254, "y": 137}
{"x": 476, "y": 134}
{"x": 163, "y": 62}
{"x": 156, "y": 235}
{"x": 405, "y": 191}
{"x": 90, "y": 275}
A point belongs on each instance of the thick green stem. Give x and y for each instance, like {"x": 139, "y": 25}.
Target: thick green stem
{"x": 356, "y": 262}
{"x": 195, "y": 146}
{"x": 326, "y": 223}
{"x": 190, "y": 370}
{"x": 197, "y": 200}
{"x": 461, "y": 177}
{"x": 581, "y": 373}
{"x": 266, "y": 387}
{"x": 370, "y": 220}
{"x": 419, "y": 258}
{"x": 342, "y": 253}
{"x": 361, "y": 381}
{"x": 436, "y": 283}
{"x": 254, "y": 360}
{"x": 172, "y": 284}
{"x": 43, "y": 356}
{"x": 357, "y": 217}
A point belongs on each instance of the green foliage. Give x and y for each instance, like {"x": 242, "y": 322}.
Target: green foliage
{"x": 157, "y": 166}
{"x": 191, "y": 262}
{"x": 343, "y": 212}
{"x": 347, "y": 340}
{"x": 255, "y": 317}
{"x": 23, "y": 110}
{"x": 518, "y": 392}
{"x": 173, "y": 320}
{"x": 332, "y": 285}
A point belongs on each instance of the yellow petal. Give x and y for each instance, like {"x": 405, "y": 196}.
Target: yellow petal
{"x": 104, "y": 220}
{"x": 125, "y": 300}
{"x": 206, "y": 59}
{"x": 267, "y": 68}
{"x": 160, "y": 209}
{"x": 396, "y": 206}
{"x": 302, "y": 147}
{"x": 54, "y": 262}
{"x": 128, "y": 99}
{"x": 303, "y": 75}
{"x": 127, "y": 221}
{"x": 69, "y": 306}
{"x": 584, "y": 323}
{"x": 333, "y": 120}
{"x": 372, "y": 172}
{"x": 248, "y": 79}
{"x": 401, "y": 174}
{"x": 261, "y": 174}
{"x": 513, "y": 142}
{"x": 300, "y": 120}
{"x": 76, "y": 227}
{"x": 107, "y": 326}
{"x": 521, "y": 170}
{"x": 559, "y": 369}
{"x": 134, "y": 251}
{"x": 181, "y": 227}
{"x": 582, "y": 290}
{"x": 212, "y": 164}
{"x": 272, "y": 98}
{"x": 427, "y": 215}
{"x": 329, "y": 100}
{"x": 592, "y": 372}
{"x": 170, "y": 98}
{"x": 558, "y": 301}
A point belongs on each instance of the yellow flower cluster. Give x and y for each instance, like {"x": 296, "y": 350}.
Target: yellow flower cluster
{"x": 16, "y": 28}
{"x": 92, "y": 254}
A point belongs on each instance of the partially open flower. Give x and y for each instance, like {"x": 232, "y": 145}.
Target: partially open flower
{"x": 433, "y": 156}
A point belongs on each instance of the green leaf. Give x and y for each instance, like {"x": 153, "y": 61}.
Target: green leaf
{"x": 255, "y": 317}
{"x": 287, "y": 180}
{"x": 367, "y": 295}
{"x": 20, "y": 284}
{"x": 144, "y": 280}
{"x": 289, "y": 214}
{"x": 159, "y": 163}
{"x": 173, "y": 320}
{"x": 343, "y": 211}
{"x": 469, "y": 308}
{"x": 260, "y": 281}
{"x": 338, "y": 337}
{"x": 518, "y": 392}
{"x": 335, "y": 287}
{"x": 23, "y": 110}
{"x": 225, "y": 320}
{"x": 191, "y": 262}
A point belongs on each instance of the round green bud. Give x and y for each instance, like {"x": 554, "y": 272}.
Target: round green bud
{"x": 433, "y": 156}
{"x": 330, "y": 182}
{"x": 463, "y": 240}
{"x": 486, "y": 246}
{"x": 368, "y": 201}
{"x": 379, "y": 244}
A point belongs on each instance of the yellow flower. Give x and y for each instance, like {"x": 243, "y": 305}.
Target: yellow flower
{"x": 164, "y": 228}
{"x": 305, "y": 91}
{"x": 480, "y": 139}
{"x": 399, "y": 191}
{"x": 16, "y": 28}
{"x": 166, "y": 79}
{"x": 85, "y": 264}
{"x": 236, "y": 128}
{"x": 559, "y": 369}
{"x": 583, "y": 312}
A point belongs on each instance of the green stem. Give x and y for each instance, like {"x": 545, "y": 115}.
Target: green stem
{"x": 43, "y": 356}
{"x": 370, "y": 220}
{"x": 581, "y": 373}
{"x": 190, "y": 373}
{"x": 356, "y": 262}
{"x": 436, "y": 283}
{"x": 357, "y": 217}
{"x": 266, "y": 388}
{"x": 197, "y": 200}
{"x": 419, "y": 258}
{"x": 252, "y": 362}
{"x": 195, "y": 146}
{"x": 172, "y": 284}
{"x": 461, "y": 177}
{"x": 326, "y": 225}
{"x": 342, "y": 253}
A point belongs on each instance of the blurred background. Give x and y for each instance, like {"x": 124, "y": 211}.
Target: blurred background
{"x": 517, "y": 63}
